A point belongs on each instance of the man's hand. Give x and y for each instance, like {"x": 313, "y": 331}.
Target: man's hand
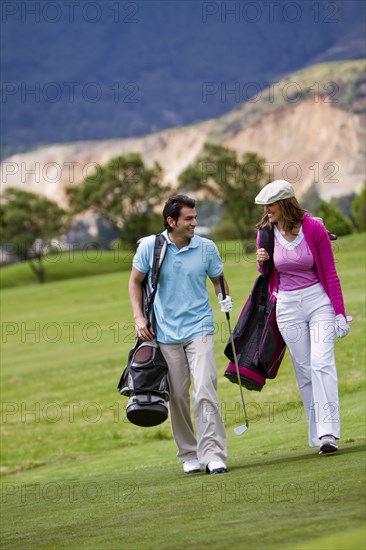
{"x": 226, "y": 305}
{"x": 143, "y": 332}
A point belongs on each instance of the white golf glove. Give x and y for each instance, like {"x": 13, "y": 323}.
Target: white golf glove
{"x": 342, "y": 328}
{"x": 226, "y": 305}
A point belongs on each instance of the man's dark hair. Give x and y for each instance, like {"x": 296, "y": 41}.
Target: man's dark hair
{"x": 173, "y": 207}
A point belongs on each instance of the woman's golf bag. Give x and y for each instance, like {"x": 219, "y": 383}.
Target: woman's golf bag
{"x": 145, "y": 379}
{"x": 258, "y": 343}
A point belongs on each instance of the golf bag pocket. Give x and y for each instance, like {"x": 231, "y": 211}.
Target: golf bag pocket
{"x": 258, "y": 343}
{"x": 145, "y": 382}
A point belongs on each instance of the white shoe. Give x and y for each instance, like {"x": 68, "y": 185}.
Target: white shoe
{"x": 328, "y": 444}
{"x": 191, "y": 467}
{"x": 216, "y": 467}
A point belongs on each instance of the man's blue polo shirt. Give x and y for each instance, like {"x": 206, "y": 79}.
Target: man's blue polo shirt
{"x": 182, "y": 308}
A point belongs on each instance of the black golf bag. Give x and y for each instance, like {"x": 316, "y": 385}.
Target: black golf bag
{"x": 258, "y": 343}
{"x": 144, "y": 379}
{"x": 145, "y": 382}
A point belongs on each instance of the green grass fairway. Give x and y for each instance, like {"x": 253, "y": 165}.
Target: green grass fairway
{"x": 68, "y": 265}
{"x": 355, "y": 539}
{"x": 76, "y": 474}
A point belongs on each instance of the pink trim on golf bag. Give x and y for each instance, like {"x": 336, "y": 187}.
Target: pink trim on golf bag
{"x": 250, "y": 379}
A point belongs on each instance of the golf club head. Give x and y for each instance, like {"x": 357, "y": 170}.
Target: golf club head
{"x": 239, "y": 430}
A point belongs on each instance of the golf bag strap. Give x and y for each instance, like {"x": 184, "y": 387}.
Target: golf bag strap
{"x": 266, "y": 242}
{"x": 159, "y": 255}
{"x": 266, "y": 239}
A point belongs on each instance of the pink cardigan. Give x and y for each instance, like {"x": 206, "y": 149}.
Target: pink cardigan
{"x": 318, "y": 241}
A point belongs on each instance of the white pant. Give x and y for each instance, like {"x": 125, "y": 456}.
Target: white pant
{"x": 195, "y": 359}
{"x": 306, "y": 321}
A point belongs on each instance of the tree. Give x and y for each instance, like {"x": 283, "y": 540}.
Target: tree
{"x": 311, "y": 199}
{"x": 359, "y": 209}
{"x": 28, "y": 223}
{"x": 124, "y": 192}
{"x": 217, "y": 174}
{"x": 344, "y": 203}
{"x": 140, "y": 225}
{"x": 334, "y": 220}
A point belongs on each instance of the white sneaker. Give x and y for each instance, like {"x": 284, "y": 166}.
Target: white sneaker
{"x": 191, "y": 467}
{"x": 216, "y": 467}
{"x": 328, "y": 444}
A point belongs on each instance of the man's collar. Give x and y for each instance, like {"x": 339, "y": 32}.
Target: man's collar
{"x": 193, "y": 243}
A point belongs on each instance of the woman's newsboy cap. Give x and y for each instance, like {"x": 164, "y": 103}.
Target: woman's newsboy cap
{"x": 275, "y": 191}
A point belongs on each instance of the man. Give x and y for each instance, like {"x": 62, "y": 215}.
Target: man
{"x": 184, "y": 329}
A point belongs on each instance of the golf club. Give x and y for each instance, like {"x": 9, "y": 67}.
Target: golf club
{"x": 239, "y": 430}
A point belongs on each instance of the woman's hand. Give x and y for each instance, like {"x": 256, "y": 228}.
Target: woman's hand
{"x": 342, "y": 328}
{"x": 262, "y": 255}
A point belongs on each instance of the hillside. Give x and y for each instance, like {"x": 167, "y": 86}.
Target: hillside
{"x": 304, "y": 138}
{"x": 75, "y": 71}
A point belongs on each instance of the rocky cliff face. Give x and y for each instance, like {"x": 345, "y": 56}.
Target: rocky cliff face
{"x": 302, "y": 141}
{"x": 309, "y": 142}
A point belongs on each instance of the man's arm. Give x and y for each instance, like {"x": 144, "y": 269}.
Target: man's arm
{"x": 136, "y": 298}
{"x": 217, "y": 286}
{"x": 227, "y": 303}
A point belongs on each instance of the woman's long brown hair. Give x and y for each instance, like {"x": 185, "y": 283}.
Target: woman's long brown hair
{"x": 291, "y": 211}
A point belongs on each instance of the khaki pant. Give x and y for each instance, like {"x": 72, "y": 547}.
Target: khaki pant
{"x": 195, "y": 360}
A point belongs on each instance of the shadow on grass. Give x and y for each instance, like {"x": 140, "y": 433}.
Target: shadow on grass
{"x": 310, "y": 455}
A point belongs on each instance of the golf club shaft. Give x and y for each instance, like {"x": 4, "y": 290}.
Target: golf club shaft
{"x": 237, "y": 372}
{"x": 223, "y": 292}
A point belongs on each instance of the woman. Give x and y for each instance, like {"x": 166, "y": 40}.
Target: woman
{"x": 309, "y": 308}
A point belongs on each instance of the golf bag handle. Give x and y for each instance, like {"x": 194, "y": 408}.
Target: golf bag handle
{"x": 223, "y": 292}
